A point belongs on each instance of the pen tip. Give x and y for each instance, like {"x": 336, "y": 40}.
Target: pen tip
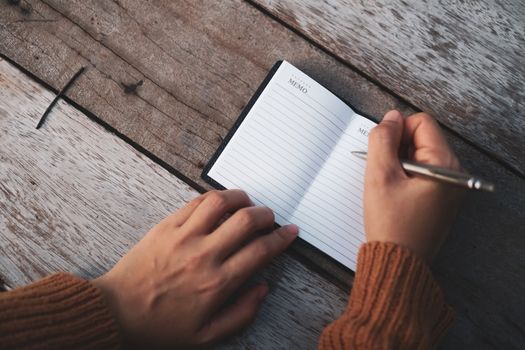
{"x": 359, "y": 154}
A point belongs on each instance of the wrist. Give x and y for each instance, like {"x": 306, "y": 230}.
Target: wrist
{"x": 127, "y": 313}
{"x": 106, "y": 289}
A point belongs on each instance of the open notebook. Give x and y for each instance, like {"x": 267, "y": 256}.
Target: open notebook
{"x": 290, "y": 151}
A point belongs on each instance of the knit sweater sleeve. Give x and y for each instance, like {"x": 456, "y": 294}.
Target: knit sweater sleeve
{"x": 57, "y": 312}
{"x": 394, "y": 304}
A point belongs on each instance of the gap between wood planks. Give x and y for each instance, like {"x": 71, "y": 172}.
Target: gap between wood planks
{"x": 109, "y": 128}
{"x": 332, "y": 270}
{"x": 481, "y": 253}
{"x": 187, "y": 156}
{"x": 494, "y": 156}
{"x": 73, "y": 197}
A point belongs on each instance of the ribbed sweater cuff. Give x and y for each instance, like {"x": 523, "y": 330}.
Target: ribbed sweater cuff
{"x": 57, "y": 312}
{"x": 391, "y": 280}
{"x": 395, "y": 303}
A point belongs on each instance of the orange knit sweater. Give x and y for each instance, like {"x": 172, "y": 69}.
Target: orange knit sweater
{"x": 395, "y": 304}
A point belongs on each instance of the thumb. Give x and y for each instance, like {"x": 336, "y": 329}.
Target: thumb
{"x": 383, "y": 145}
{"x": 236, "y": 316}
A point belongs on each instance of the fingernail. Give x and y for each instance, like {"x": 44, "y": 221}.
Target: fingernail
{"x": 292, "y": 230}
{"x": 393, "y": 116}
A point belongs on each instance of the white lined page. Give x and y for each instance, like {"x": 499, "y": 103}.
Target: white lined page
{"x": 292, "y": 154}
{"x": 334, "y": 200}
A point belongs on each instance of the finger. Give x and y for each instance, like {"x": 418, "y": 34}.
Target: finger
{"x": 213, "y": 208}
{"x": 235, "y": 317}
{"x": 257, "y": 254}
{"x": 429, "y": 143}
{"x": 180, "y": 216}
{"x": 238, "y": 228}
{"x": 383, "y": 146}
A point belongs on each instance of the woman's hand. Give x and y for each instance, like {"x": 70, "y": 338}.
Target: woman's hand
{"x": 411, "y": 211}
{"x": 175, "y": 287}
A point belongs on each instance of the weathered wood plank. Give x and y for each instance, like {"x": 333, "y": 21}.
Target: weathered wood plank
{"x": 74, "y": 197}
{"x": 232, "y": 37}
{"x": 463, "y": 61}
{"x": 195, "y": 82}
{"x": 482, "y": 263}
{"x": 198, "y": 68}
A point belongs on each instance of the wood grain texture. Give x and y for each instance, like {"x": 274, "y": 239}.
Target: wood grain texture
{"x": 198, "y": 65}
{"x": 483, "y": 255}
{"x": 73, "y": 197}
{"x": 463, "y": 61}
{"x": 197, "y": 68}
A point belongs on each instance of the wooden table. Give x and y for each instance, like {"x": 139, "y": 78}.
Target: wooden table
{"x": 166, "y": 79}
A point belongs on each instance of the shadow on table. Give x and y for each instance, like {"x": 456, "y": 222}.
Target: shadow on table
{"x": 482, "y": 265}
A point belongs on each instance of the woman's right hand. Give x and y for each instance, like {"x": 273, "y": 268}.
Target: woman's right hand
{"x": 411, "y": 211}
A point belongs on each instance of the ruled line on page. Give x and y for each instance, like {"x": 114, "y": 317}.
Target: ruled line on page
{"x": 326, "y": 220}
{"x": 345, "y": 253}
{"x": 270, "y": 95}
{"x": 253, "y": 134}
{"x": 290, "y": 93}
{"x": 285, "y": 105}
{"x": 356, "y": 172}
{"x": 249, "y": 163}
{"x": 259, "y": 134}
{"x": 342, "y": 129}
{"x": 306, "y": 150}
{"x": 322, "y": 202}
{"x": 302, "y": 145}
{"x": 292, "y": 154}
{"x": 335, "y": 115}
{"x": 273, "y": 111}
{"x": 241, "y": 184}
{"x": 305, "y": 177}
{"x": 299, "y": 141}
{"x": 335, "y": 192}
{"x": 266, "y": 105}
{"x": 264, "y": 159}
{"x": 322, "y": 106}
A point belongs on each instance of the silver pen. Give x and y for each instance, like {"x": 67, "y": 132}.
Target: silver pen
{"x": 441, "y": 174}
